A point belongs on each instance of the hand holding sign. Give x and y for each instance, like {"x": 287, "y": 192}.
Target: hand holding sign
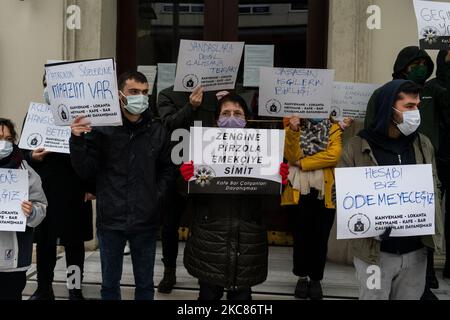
{"x": 79, "y": 126}
{"x": 294, "y": 123}
{"x": 196, "y": 97}
{"x": 27, "y": 208}
{"x": 39, "y": 154}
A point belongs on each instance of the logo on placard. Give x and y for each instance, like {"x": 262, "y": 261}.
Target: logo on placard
{"x": 9, "y": 254}
{"x": 34, "y": 140}
{"x": 190, "y": 81}
{"x": 359, "y": 224}
{"x": 430, "y": 34}
{"x": 63, "y": 113}
{"x": 273, "y": 106}
{"x": 335, "y": 112}
{"x": 203, "y": 175}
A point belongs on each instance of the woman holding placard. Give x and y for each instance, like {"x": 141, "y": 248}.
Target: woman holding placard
{"x": 227, "y": 247}
{"x": 16, "y": 247}
{"x": 313, "y": 148}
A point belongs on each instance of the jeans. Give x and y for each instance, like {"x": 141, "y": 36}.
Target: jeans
{"x": 142, "y": 247}
{"x": 402, "y": 276}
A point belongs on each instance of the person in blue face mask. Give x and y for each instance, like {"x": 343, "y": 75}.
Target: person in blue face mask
{"x": 17, "y": 247}
{"x": 132, "y": 167}
{"x": 227, "y": 247}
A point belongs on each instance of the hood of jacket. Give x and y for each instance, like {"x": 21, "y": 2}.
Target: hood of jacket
{"x": 406, "y": 56}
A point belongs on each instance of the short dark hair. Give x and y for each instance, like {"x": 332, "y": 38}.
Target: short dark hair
{"x": 409, "y": 88}
{"x": 131, "y": 75}
{"x": 234, "y": 98}
{"x": 10, "y": 125}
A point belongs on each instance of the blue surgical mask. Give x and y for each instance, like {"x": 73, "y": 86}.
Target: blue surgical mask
{"x": 231, "y": 122}
{"x": 137, "y": 104}
{"x": 6, "y": 148}
{"x": 46, "y": 96}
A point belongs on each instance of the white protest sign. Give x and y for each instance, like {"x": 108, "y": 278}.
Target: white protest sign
{"x": 84, "y": 88}
{"x": 351, "y": 99}
{"x": 433, "y": 24}
{"x": 370, "y": 199}
{"x": 284, "y": 92}
{"x": 40, "y": 131}
{"x": 166, "y": 75}
{"x": 213, "y": 65}
{"x": 14, "y": 190}
{"x": 256, "y": 56}
{"x": 236, "y": 160}
{"x": 150, "y": 73}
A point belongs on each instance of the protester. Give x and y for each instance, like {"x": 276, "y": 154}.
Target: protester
{"x": 227, "y": 247}
{"x": 132, "y": 168}
{"x": 179, "y": 110}
{"x": 415, "y": 64}
{"x": 68, "y": 221}
{"x": 393, "y": 139}
{"x": 313, "y": 148}
{"x": 443, "y": 153}
{"x": 17, "y": 247}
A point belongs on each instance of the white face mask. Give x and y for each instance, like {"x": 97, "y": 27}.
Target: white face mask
{"x": 411, "y": 122}
{"x": 6, "y": 148}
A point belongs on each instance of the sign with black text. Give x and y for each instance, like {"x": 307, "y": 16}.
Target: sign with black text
{"x": 212, "y": 65}
{"x": 284, "y": 92}
{"x": 433, "y": 23}
{"x": 40, "y": 131}
{"x": 371, "y": 199}
{"x": 86, "y": 88}
{"x": 14, "y": 186}
{"x": 238, "y": 161}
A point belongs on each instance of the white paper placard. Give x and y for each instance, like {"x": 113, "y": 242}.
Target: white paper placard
{"x": 14, "y": 186}
{"x": 370, "y": 199}
{"x": 40, "y": 131}
{"x": 433, "y": 24}
{"x": 213, "y": 65}
{"x": 284, "y": 92}
{"x": 236, "y": 160}
{"x": 84, "y": 88}
{"x": 351, "y": 99}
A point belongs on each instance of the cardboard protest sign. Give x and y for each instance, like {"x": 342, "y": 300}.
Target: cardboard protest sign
{"x": 213, "y": 65}
{"x": 256, "y": 56}
{"x": 351, "y": 99}
{"x": 166, "y": 76}
{"x": 433, "y": 23}
{"x": 284, "y": 92}
{"x": 370, "y": 199}
{"x": 40, "y": 131}
{"x": 84, "y": 88}
{"x": 236, "y": 161}
{"x": 14, "y": 186}
{"x": 150, "y": 73}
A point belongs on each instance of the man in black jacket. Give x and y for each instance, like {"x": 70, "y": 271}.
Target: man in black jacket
{"x": 132, "y": 168}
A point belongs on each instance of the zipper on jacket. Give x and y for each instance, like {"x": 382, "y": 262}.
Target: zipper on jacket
{"x": 399, "y": 159}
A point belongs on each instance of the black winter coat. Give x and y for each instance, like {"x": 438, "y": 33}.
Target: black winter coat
{"x": 69, "y": 217}
{"x": 227, "y": 246}
{"x": 132, "y": 168}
